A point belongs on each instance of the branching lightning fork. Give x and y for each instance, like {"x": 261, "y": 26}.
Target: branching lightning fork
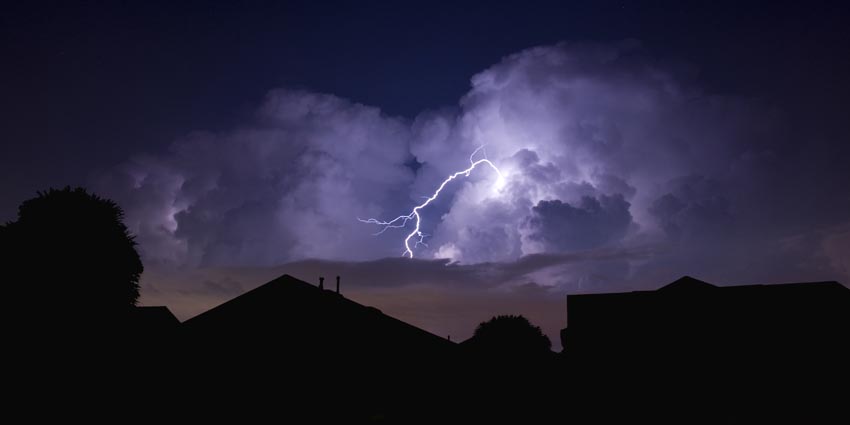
{"x": 401, "y": 221}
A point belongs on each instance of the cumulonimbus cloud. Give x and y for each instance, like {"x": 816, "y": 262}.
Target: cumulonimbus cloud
{"x": 601, "y": 148}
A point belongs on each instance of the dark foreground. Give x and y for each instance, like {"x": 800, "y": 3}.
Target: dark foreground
{"x": 687, "y": 353}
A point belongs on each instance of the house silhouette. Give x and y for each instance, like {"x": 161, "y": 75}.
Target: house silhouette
{"x": 695, "y": 318}
{"x": 694, "y": 352}
{"x": 323, "y": 350}
{"x": 292, "y": 318}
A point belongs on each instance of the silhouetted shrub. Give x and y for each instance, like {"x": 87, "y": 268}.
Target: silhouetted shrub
{"x": 509, "y": 336}
{"x": 71, "y": 248}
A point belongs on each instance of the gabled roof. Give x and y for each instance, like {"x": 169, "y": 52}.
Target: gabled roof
{"x": 687, "y": 283}
{"x": 287, "y": 307}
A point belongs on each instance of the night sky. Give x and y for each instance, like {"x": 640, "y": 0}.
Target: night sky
{"x": 639, "y": 142}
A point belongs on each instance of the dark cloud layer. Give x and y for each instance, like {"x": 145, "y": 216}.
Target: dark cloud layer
{"x": 592, "y": 223}
{"x": 601, "y": 148}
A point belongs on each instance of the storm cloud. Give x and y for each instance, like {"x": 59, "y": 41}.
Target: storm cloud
{"x": 601, "y": 146}
{"x": 287, "y": 186}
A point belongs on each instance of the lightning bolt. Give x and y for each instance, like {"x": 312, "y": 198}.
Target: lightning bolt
{"x": 402, "y": 220}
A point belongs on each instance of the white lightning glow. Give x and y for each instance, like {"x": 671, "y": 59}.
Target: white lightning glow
{"x": 401, "y": 221}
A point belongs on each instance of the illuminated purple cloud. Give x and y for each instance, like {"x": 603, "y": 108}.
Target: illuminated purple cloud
{"x": 599, "y": 146}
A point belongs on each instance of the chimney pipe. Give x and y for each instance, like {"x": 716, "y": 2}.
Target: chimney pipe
{"x": 321, "y": 282}
{"x": 337, "y": 284}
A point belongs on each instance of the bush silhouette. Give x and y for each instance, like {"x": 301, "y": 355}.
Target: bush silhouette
{"x": 509, "y": 336}
{"x": 70, "y": 249}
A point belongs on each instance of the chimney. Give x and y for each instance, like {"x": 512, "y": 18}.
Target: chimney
{"x": 337, "y": 284}
{"x": 321, "y": 282}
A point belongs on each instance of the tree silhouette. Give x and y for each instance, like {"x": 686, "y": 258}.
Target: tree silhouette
{"x": 509, "y": 336}
{"x": 71, "y": 248}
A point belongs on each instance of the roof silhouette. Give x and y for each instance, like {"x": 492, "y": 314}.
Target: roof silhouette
{"x": 307, "y": 345}
{"x": 720, "y": 354}
{"x": 687, "y": 283}
{"x": 306, "y": 320}
{"x": 690, "y": 313}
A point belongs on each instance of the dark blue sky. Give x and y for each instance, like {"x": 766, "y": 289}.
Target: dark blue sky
{"x": 88, "y": 83}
